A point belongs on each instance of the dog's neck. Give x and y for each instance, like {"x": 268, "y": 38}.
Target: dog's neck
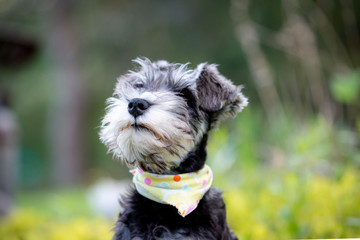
{"x": 195, "y": 160}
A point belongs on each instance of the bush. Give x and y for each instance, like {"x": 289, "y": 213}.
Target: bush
{"x": 286, "y": 206}
{"x": 30, "y": 225}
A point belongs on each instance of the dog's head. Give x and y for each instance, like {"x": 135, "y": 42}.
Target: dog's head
{"x": 161, "y": 111}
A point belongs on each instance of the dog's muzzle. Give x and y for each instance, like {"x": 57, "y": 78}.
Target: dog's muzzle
{"x": 138, "y": 106}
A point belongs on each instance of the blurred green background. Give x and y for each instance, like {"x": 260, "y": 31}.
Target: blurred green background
{"x": 289, "y": 163}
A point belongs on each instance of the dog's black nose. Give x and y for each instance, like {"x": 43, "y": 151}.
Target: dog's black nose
{"x": 138, "y": 106}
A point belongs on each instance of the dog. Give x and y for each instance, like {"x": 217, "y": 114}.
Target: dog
{"x": 157, "y": 122}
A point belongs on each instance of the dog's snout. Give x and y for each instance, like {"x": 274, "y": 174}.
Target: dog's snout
{"x": 138, "y": 106}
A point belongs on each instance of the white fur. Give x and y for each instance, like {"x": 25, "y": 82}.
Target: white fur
{"x": 171, "y": 138}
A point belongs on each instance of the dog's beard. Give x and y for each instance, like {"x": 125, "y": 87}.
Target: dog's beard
{"x": 157, "y": 140}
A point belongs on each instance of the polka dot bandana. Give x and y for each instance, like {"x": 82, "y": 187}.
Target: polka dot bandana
{"x": 183, "y": 191}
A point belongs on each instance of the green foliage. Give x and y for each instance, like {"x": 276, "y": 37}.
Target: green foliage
{"x": 57, "y": 204}
{"x": 283, "y": 205}
{"x": 288, "y": 178}
{"x": 31, "y": 225}
{"x": 346, "y": 88}
{"x": 54, "y": 215}
{"x": 305, "y": 146}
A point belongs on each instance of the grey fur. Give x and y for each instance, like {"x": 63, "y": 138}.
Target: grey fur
{"x": 219, "y": 95}
{"x": 169, "y": 131}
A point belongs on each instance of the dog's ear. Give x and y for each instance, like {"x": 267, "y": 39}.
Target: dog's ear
{"x": 218, "y": 96}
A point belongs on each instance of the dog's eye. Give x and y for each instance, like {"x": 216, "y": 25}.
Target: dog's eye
{"x": 139, "y": 84}
{"x": 189, "y": 97}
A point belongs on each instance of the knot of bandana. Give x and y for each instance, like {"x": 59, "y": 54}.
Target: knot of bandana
{"x": 183, "y": 191}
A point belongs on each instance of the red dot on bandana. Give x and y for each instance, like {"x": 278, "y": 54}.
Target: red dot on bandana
{"x": 147, "y": 181}
{"x": 177, "y": 178}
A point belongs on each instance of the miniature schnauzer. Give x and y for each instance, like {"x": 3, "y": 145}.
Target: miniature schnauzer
{"x": 157, "y": 122}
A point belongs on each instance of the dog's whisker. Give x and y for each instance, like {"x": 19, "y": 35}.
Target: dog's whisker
{"x": 127, "y": 126}
{"x": 159, "y": 136}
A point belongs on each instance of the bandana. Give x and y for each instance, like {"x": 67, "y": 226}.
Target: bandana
{"x": 183, "y": 191}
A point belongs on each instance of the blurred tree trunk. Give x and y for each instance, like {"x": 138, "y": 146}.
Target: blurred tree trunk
{"x": 66, "y": 113}
{"x": 259, "y": 66}
{"x": 309, "y": 67}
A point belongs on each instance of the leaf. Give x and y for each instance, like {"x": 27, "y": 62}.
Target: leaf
{"x": 346, "y": 88}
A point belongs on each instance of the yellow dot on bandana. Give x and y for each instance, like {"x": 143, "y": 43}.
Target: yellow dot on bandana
{"x": 177, "y": 178}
